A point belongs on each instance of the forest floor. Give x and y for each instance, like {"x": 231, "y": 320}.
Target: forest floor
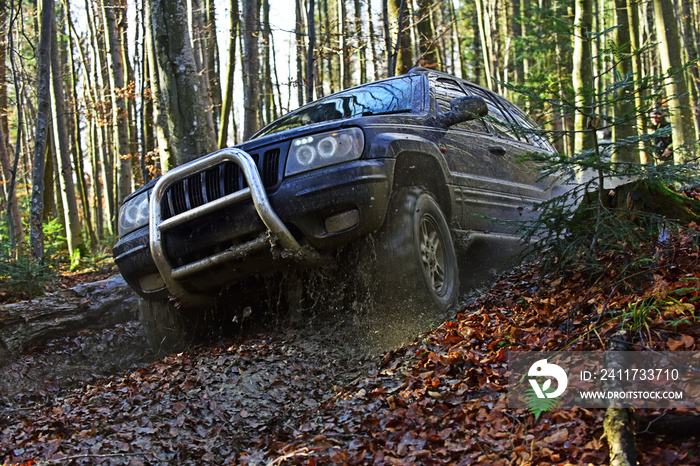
{"x": 314, "y": 394}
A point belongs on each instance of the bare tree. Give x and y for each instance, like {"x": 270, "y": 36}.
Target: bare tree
{"x": 9, "y": 168}
{"x": 428, "y": 49}
{"x": 227, "y": 105}
{"x": 200, "y": 49}
{"x": 74, "y": 234}
{"x": 41, "y": 134}
{"x": 251, "y": 67}
{"x": 76, "y": 147}
{"x": 299, "y": 28}
{"x": 119, "y": 107}
{"x": 188, "y": 129}
{"x": 310, "y": 51}
{"x": 401, "y": 58}
{"x": 14, "y": 218}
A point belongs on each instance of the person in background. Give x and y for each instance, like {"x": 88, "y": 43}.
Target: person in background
{"x": 663, "y": 143}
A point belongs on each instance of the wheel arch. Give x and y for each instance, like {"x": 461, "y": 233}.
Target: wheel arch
{"x": 415, "y": 168}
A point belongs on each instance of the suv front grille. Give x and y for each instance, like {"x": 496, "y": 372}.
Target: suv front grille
{"x": 215, "y": 183}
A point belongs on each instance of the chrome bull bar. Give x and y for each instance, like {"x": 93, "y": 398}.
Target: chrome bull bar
{"x": 277, "y": 234}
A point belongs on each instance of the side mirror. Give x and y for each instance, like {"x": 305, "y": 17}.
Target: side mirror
{"x": 463, "y": 109}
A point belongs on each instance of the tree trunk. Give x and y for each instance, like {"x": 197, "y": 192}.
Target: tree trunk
{"x": 227, "y": 105}
{"x": 268, "y": 46}
{"x": 633, "y": 21}
{"x": 77, "y": 152}
{"x": 403, "y": 51}
{"x": 93, "y": 305}
{"x": 120, "y": 113}
{"x": 676, "y": 90}
{"x": 299, "y": 36}
{"x": 330, "y": 57}
{"x": 251, "y": 67}
{"x": 3, "y": 71}
{"x": 617, "y": 424}
{"x": 104, "y": 203}
{"x": 582, "y": 76}
{"x": 620, "y": 437}
{"x": 390, "y": 52}
{"x": 655, "y": 197}
{"x": 624, "y": 131}
{"x": 516, "y": 28}
{"x": 74, "y": 233}
{"x": 361, "y": 47}
{"x": 14, "y": 218}
{"x": 343, "y": 34}
{"x": 188, "y": 128}
{"x": 43, "y": 66}
{"x": 485, "y": 51}
{"x": 373, "y": 41}
{"x": 15, "y": 222}
{"x": 690, "y": 45}
{"x": 201, "y": 61}
{"x": 162, "y": 132}
{"x": 427, "y": 42}
{"x": 310, "y": 51}
{"x": 213, "y": 59}
{"x": 51, "y": 207}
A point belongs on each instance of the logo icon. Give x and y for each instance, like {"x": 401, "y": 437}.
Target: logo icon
{"x": 542, "y": 368}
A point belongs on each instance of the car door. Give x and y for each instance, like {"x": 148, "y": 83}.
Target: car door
{"x": 517, "y": 137}
{"x": 482, "y": 167}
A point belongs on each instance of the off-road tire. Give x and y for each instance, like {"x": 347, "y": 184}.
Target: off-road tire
{"x": 416, "y": 262}
{"x": 165, "y": 326}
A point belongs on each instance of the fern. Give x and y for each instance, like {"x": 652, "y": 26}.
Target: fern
{"x": 537, "y": 405}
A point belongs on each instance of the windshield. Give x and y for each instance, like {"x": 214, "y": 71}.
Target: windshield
{"x": 390, "y": 96}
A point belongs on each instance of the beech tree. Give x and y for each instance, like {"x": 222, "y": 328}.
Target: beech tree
{"x": 119, "y": 107}
{"x": 675, "y": 85}
{"x": 227, "y": 103}
{"x": 189, "y": 133}
{"x": 251, "y": 67}
{"x": 624, "y": 103}
{"x": 41, "y": 134}
{"x": 74, "y": 235}
{"x": 582, "y": 76}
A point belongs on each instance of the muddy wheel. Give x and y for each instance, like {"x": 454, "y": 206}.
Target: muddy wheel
{"x": 165, "y": 326}
{"x": 416, "y": 260}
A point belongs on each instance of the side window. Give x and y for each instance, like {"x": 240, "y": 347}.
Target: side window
{"x": 498, "y": 116}
{"x": 445, "y": 91}
{"x": 529, "y": 131}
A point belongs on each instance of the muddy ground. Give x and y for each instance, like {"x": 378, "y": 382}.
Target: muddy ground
{"x": 212, "y": 402}
{"x": 215, "y": 401}
{"x": 110, "y": 395}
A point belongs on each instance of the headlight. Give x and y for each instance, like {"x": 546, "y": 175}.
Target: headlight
{"x": 324, "y": 149}
{"x": 133, "y": 214}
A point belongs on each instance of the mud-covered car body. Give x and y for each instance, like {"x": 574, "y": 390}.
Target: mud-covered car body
{"x": 324, "y": 175}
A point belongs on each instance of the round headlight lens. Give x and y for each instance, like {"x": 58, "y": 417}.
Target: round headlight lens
{"x": 311, "y": 152}
{"x": 327, "y": 147}
{"x": 306, "y": 155}
{"x": 133, "y": 214}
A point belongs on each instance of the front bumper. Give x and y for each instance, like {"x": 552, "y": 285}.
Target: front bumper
{"x": 251, "y": 232}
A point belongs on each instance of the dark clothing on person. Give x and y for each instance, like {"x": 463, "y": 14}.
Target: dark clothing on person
{"x": 663, "y": 143}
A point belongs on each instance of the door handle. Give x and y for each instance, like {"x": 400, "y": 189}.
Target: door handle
{"x": 497, "y": 150}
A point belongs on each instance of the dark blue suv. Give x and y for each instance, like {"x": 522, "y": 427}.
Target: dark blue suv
{"x": 424, "y": 162}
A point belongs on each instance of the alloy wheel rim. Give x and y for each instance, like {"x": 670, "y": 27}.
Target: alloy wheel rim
{"x": 432, "y": 254}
